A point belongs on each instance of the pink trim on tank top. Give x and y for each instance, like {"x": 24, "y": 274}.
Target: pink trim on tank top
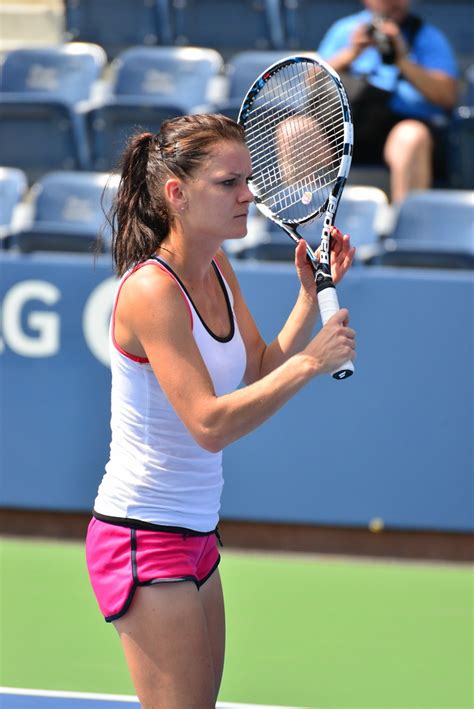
{"x": 135, "y": 358}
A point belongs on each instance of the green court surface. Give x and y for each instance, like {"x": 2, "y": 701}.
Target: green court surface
{"x": 302, "y": 631}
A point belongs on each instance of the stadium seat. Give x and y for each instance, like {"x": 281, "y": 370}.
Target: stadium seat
{"x": 42, "y": 90}
{"x": 360, "y": 214}
{"x": 13, "y": 184}
{"x": 241, "y": 71}
{"x": 151, "y": 85}
{"x": 461, "y": 137}
{"x": 68, "y": 213}
{"x": 455, "y": 19}
{"x": 307, "y": 21}
{"x": 461, "y": 149}
{"x": 118, "y": 24}
{"x": 67, "y": 72}
{"x": 434, "y": 228}
{"x": 228, "y": 25}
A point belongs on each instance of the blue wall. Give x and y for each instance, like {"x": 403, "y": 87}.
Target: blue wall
{"x": 394, "y": 441}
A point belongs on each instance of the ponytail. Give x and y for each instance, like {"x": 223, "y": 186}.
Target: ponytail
{"x": 139, "y": 218}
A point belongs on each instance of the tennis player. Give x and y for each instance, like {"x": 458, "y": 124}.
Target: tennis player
{"x": 182, "y": 341}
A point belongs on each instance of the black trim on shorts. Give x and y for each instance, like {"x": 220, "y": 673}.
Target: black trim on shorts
{"x": 132, "y": 523}
{"x": 152, "y": 582}
{"x": 208, "y": 576}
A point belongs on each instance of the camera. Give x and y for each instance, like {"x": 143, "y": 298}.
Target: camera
{"x": 383, "y": 43}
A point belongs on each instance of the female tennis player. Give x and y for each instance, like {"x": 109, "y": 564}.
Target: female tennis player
{"x": 182, "y": 341}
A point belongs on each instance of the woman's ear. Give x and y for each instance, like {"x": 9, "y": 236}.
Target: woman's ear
{"x": 174, "y": 194}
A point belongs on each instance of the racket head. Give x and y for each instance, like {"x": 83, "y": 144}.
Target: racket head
{"x": 298, "y": 129}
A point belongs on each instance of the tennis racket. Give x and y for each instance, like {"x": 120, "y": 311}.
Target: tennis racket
{"x": 298, "y": 129}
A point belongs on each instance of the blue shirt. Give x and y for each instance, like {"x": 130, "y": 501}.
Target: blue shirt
{"x": 430, "y": 50}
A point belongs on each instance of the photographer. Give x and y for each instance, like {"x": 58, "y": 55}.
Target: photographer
{"x": 400, "y": 74}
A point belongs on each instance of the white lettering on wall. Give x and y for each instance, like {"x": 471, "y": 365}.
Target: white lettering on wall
{"x": 96, "y": 318}
{"x": 43, "y": 341}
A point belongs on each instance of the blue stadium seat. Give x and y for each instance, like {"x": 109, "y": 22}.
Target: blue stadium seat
{"x": 461, "y": 137}
{"x": 13, "y": 184}
{"x": 41, "y": 125}
{"x": 68, "y": 213}
{"x": 241, "y": 71}
{"x": 461, "y": 149}
{"x": 151, "y": 85}
{"x": 66, "y": 72}
{"x": 455, "y": 19}
{"x": 434, "y": 228}
{"x": 467, "y": 94}
{"x": 118, "y": 24}
{"x": 360, "y": 214}
{"x": 228, "y": 25}
{"x": 307, "y": 21}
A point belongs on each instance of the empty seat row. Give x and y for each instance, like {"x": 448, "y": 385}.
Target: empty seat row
{"x": 64, "y": 211}
{"x": 431, "y": 228}
{"x": 233, "y": 25}
{"x": 68, "y": 212}
{"x": 57, "y": 112}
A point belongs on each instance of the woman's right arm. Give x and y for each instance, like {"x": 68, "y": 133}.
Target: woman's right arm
{"x": 165, "y": 334}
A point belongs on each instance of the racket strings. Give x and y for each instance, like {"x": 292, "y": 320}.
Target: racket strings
{"x": 260, "y": 121}
{"x": 298, "y": 95}
{"x": 295, "y": 135}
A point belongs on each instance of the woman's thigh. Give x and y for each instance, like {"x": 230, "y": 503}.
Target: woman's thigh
{"x": 167, "y": 646}
{"x": 213, "y": 605}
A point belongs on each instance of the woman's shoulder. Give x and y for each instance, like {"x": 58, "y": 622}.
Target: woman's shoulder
{"x": 149, "y": 284}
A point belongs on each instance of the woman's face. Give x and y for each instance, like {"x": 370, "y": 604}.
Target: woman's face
{"x": 217, "y": 197}
{"x": 393, "y": 9}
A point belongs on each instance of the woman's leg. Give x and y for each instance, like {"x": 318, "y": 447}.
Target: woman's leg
{"x": 213, "y": 604}
{"x": 167, "y": 646}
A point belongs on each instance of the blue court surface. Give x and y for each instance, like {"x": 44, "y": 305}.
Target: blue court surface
{"x": 11, "y": 698}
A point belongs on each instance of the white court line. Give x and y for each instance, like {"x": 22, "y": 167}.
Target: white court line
{"x": 117, "y": 698}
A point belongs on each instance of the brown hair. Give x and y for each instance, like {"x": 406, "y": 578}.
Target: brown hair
{"x": 140, "y": 217}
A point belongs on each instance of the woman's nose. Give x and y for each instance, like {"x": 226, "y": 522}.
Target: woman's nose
{"x": 246, "y": 195}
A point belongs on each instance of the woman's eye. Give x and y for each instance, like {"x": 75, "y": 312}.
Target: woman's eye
{"x": 228, "y": 183}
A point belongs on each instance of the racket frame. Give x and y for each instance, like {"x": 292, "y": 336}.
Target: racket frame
{"x": 322, "y": 267}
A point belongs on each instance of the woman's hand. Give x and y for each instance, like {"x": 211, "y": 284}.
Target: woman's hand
{"x": 333, "y": 345}
{"x": 342, "y": 254}
{"x": 305, "y": 271}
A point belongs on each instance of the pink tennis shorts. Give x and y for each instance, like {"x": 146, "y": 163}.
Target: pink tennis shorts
{"x": 120, "y": 558}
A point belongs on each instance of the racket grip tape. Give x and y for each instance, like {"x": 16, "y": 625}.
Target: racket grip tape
{"x": 328, "y": 306}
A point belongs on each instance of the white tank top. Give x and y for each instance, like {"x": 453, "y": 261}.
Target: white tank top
{"x": 156, "y": 472}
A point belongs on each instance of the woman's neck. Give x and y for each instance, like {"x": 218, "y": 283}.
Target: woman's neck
{"x": 191, "y": 263}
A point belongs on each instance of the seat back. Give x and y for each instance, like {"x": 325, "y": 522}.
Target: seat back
{"x": 228, "y": 25}
{"x": 13, "y": 186}
{"x": 461, "y": 149}
{"x": 66, "y": 72}
{"x": 74, "y": 200}
{"x": 117, "y": 24}
{"x": 437, "y": 218}
{"x": 180, "y": 75}
{"x": 40, "y": 135}
{"x": 307, "y": 21}
{"x": 360, "y": 214}
{"x": 244, "y": 67}
{"x": 455, "y": 19}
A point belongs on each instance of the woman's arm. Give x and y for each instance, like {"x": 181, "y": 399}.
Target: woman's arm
{"x": 166, "y": 337}
{"x": 298, "y": 329}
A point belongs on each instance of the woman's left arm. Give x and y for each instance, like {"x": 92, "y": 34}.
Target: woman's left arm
{"x": 297, "y": 330}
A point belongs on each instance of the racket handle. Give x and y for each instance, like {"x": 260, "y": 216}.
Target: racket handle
{"x": 328, "y": 305}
